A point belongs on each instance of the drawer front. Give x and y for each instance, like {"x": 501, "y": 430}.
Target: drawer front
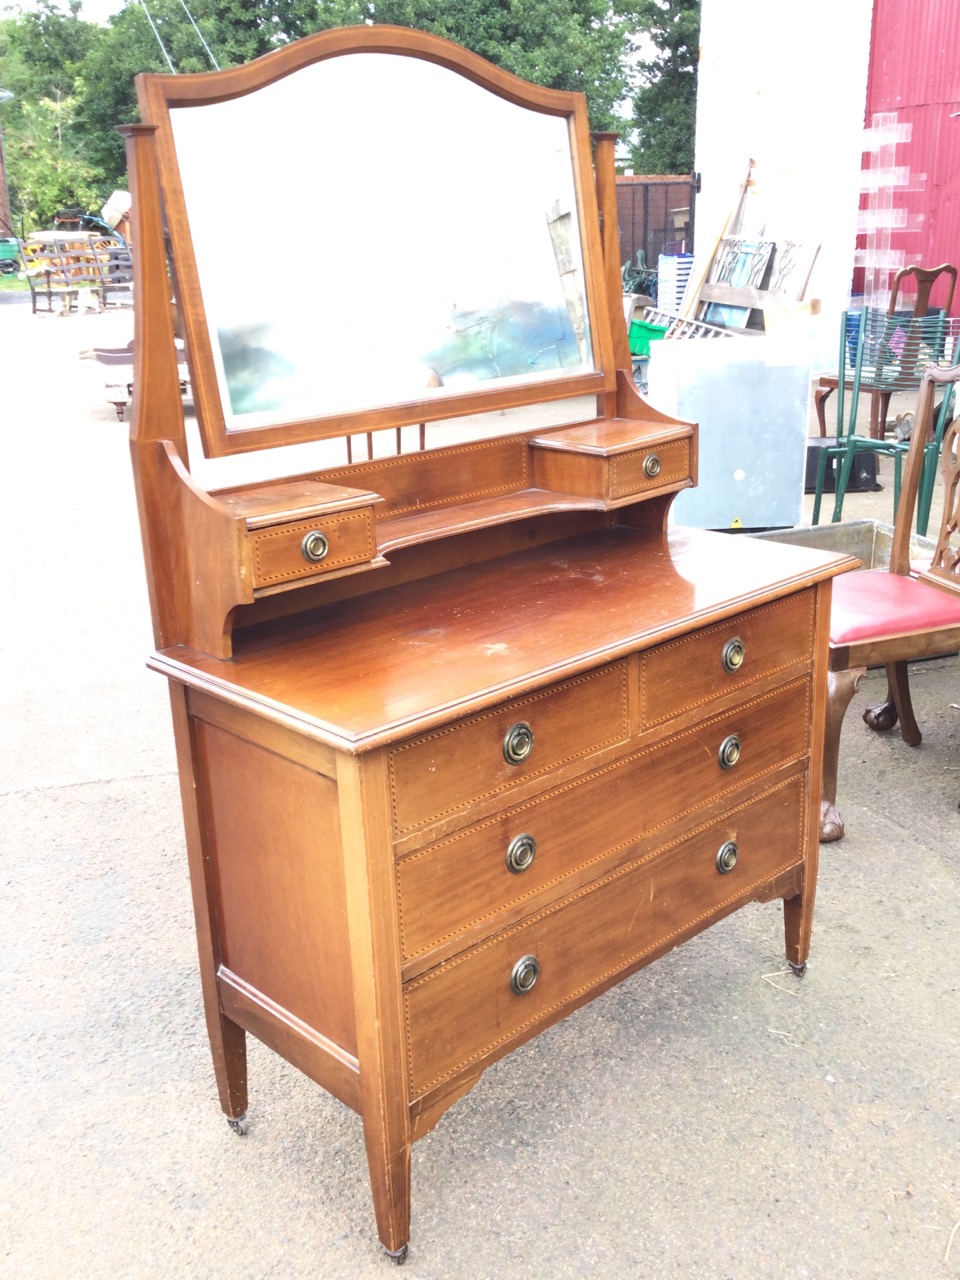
{"x": 307, "y": 548}
{"x": 467, "y": 1008}
{"x": 708, "y": 664}
{"x": 458, "y": 883}
{"x": 649, "y": 468}
{"x": 453, "y": 767}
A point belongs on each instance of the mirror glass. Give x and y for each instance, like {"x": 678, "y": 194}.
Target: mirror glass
{"x": 379, "y": 229}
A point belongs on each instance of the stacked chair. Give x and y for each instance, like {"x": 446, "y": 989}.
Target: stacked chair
{"x": 880, "y": 354}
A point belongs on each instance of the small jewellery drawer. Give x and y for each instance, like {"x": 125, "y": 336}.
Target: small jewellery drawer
{"x": 306, "y": 548}
{"x": 461, "y": 882}
{"x": 476, "y": 1004}
{"x": 691, "y": 671}
{"x": 489, "y": 753}
{"x": 649, "y": 468}
{"x": 613, "y": 459}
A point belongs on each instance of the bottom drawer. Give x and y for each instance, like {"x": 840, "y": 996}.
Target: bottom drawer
{"x": 476, "y": 1004}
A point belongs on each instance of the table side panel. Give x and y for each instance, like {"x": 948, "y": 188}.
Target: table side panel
{"x": 272, "y": 833}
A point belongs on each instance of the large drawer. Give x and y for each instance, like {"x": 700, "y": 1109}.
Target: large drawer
{"x": 698, "y": 668}
{"x": 457, "y": 883}
{"x": 490, "y": 753}
{"x": 466, "y": 1009}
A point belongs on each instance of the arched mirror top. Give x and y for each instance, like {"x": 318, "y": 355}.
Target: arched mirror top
{"x": 374, "y": 228}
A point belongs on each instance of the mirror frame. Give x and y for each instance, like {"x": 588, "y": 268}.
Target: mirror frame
{"x": 159, "y": 94}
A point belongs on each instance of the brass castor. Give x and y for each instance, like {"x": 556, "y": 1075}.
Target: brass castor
{"x": 240, "y": 1125}
{"x": 798, "y": 969}
{"x": 398, "y": 1255}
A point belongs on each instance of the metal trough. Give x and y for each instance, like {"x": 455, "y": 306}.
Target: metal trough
{"x": 869, "y": 540}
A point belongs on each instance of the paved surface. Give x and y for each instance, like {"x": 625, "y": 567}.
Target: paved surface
{"x": 712, "y": 1117}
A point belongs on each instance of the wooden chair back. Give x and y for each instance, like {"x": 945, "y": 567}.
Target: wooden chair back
{"x": 932, "y": 430}
{"x": 925, "y": 278}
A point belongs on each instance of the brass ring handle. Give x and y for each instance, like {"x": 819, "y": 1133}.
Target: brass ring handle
{"x": 651, "y": 466}
{"x": 525, "y": 974}
{"x": 734, "y": 652}
{"x": 314, "y": 546}
{"x": 517, "y": 743}
{"x": 727, "y": 856}
{"x": 521, "y": 852}
{"x": 730, "y": 751}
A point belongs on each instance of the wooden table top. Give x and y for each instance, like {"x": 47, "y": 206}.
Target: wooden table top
{"x": 364, "y": 672}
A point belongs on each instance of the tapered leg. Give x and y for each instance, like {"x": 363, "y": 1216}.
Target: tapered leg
{"x": 820, "y": 397}
{"x": 798, "y": 923}
{"x": 228, "y": 1042}
{"x": 879, "y": 411}
{"x": 375, "y": 951}
{"x": 389, "y": 1166}
{"x": 818, "y": 489}
{"x": 841, "y": 686}
{"x": 228, "y": 1045}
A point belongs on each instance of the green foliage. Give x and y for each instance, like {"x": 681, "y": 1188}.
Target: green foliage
{"x": 42, "y": 54}
{"x": 73, "y": 80}
{"x": 665, "y": 104}
{"x": 46, "y": 162}
{"x": 238, "y": 30}
{"x": 42, "y": 51}
{"x": 563, "y": 44}
{"x": 124, "y": 48}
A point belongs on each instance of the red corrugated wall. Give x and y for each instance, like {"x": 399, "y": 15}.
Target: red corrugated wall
{"x": 915, "y": 72}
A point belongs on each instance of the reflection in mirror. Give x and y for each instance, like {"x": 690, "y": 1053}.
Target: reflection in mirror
{"x": 423, "y": 241}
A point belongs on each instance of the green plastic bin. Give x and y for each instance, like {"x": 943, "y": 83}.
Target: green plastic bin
{"x": 641, "y": 334}
{"x": 9, "y": 256}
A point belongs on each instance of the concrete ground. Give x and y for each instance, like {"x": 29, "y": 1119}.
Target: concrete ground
{"x": 713, "y": 1117}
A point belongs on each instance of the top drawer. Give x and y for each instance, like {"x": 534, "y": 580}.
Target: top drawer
{"x": 307, "y": 548}
{"x": 708, "y": 664}
{"x": 490, "y": 753}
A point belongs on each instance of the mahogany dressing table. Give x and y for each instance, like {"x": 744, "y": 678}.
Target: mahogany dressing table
{"x": 466, "y": 732}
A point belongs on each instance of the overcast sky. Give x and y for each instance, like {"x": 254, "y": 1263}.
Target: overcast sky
{"x": 92, "y": 10}
{"x": 100, "y": 10}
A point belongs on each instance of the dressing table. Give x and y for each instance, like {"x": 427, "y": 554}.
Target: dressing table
{"x": 467, "y": 731}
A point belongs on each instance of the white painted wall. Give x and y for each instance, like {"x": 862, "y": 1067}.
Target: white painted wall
{"x": 785, "y": 85}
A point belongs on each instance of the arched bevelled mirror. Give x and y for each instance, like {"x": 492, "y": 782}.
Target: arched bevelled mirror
{"x": 377, "y": 229}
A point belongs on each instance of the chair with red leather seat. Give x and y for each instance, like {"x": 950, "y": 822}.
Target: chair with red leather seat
{"x": 890, "y": 617}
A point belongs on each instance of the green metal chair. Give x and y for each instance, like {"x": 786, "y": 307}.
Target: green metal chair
{"x": 890, "y": 353}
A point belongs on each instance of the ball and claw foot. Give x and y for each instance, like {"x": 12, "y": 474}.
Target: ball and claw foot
{"x": 399, "y": 1256}
{"x": 240, "y": 1125}
{"x": 831, "y": 824}
{"x": 798, "y": 969}
{"x": 882, "y": 717}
